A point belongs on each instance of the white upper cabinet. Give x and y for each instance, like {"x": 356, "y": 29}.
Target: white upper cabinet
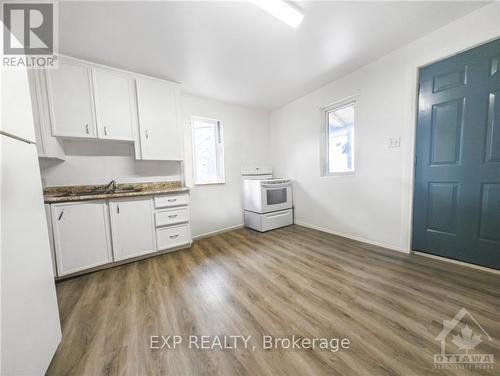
{"x": 87, "y": 100}
{"x": 47, "y": 145}
{"x": 132, "y": 227}
{"x": 113, "y": 93}
{"x": 72, "y": 103}
{"x": 159, "y": 134}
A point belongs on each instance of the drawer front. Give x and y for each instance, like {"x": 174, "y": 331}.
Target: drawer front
{"x": 278, "y": 219}
{"x": 171, "y": 200}
{"x": 168, "y": 237}
{"x": 167, "y": 217}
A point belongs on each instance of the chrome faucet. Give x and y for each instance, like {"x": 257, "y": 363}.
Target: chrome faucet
{"x": 111, "y": 187}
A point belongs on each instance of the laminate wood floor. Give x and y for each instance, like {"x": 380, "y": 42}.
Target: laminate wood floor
{"x": 291, "y": 281}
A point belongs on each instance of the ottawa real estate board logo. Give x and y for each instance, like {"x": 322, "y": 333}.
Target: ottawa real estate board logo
{"x": 463, "y": 334}
{"x": 30, "y": 37}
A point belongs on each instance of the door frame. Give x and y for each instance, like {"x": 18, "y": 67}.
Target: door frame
{"x": 413, "y": 148}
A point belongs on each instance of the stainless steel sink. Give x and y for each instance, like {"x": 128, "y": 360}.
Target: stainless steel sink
{"x": 100, "y": 192}
{"x": 72, "y": 194}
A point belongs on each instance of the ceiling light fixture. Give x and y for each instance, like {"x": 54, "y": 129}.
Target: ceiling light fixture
{"x": 282, "y": 10}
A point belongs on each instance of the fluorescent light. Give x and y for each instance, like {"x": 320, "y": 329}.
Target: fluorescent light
{"x": 283, "y": 10}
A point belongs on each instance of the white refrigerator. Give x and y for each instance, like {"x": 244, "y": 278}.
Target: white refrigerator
{"x": 30, "y": 328}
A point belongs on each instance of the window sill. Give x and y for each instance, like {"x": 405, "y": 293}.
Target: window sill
{"x": 205, "y": 184}
{"x": 338, "y": 174}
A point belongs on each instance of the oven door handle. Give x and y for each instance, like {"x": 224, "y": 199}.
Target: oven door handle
{"x": 282, "y": 185}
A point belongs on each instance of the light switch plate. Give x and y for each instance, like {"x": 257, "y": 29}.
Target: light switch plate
{"x": 394, "y": 142}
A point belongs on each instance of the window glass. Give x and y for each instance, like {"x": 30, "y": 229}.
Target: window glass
{"x": 207, "y": 151}
{"x": 340, "y": 139}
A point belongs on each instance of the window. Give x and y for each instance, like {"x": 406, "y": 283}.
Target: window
{"x": 208, "y": 151}
{"x": 339, "y": 143}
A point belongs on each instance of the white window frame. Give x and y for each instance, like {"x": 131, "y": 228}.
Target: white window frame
{"x": 219, "y": 151}
{"x": 325, "y": 149}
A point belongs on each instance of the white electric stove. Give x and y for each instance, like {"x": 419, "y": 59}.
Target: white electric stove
{"x": 267, "y": 200}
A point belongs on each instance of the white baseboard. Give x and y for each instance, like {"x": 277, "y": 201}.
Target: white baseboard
{"x": 451, "y": 261}
{"x": 212, "y": 233}
{"x": 348, "y": 236}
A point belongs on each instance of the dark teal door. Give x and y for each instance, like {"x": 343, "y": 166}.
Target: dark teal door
{"x": 457, "y": 177}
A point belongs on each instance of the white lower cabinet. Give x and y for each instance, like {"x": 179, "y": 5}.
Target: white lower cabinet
{"x": 172, "y": 236}
{"x": 172, "y": 221}
{"x": 93, "y": 233}
{"x": 81, "y": 235}
{"x": 171, "y": 216}
{"x": 51, "y": 238}
{"x": 132, "y": 227}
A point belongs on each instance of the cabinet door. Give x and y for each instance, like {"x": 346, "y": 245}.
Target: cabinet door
{"x": 72, "y": 104}
{"x": 113, "y": 100}
{"x": 47, "y": 145}
{"x": 51, "y": 238}
{"x": 132, "y": 227}
{"x": 81, "y": 235}
{"x": 160, "y": 136}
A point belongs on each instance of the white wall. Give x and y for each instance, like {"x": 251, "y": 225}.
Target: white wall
{"x": 98, "y": 162}
{"x": 373, "y": 205}
{"x": 246, "y": 142}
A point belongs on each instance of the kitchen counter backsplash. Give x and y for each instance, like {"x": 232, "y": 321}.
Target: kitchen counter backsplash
{"x": 94, "y": 192}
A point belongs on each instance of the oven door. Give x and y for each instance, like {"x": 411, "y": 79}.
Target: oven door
{"x": 276, "y": 197}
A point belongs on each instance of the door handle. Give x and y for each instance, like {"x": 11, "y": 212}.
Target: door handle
{"x": 147, "y": 134}
{"x": 60, "y": 215}
{"x": 105, "y": 131}
{"x": 118, "y": 209}
{"x": 282, "y": 185}
{"x": 87, "y": 130}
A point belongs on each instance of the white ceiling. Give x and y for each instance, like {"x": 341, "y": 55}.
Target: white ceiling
{"x": 237, "y": 53}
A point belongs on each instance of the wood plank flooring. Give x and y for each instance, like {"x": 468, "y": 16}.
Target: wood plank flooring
{"x": 291, "y": 281}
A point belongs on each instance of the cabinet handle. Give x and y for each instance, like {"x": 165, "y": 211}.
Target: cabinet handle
{"x": 173, "y": 236}
{"x": 118, "y": 209}
{"x": 87, "y": 129}
{"x": 60, "y": 215}
{"x": 172, "y": 200}
{"x": 147, "y": 134}
{"x": 105, "y": 131}
{"x": 172, "y": 216}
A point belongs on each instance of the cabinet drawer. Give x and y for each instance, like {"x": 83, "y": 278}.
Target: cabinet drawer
{"x": 277, "y": 219}
{"x": 171, "y": 200}
{"x": 168, "y": 237}
{"x": 166, "y": 217}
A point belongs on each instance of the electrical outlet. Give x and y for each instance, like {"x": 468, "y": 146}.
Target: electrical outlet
{"x": 394, "y": 142}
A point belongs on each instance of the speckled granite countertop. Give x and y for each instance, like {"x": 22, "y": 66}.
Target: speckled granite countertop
{"x": 69, "y": 193}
